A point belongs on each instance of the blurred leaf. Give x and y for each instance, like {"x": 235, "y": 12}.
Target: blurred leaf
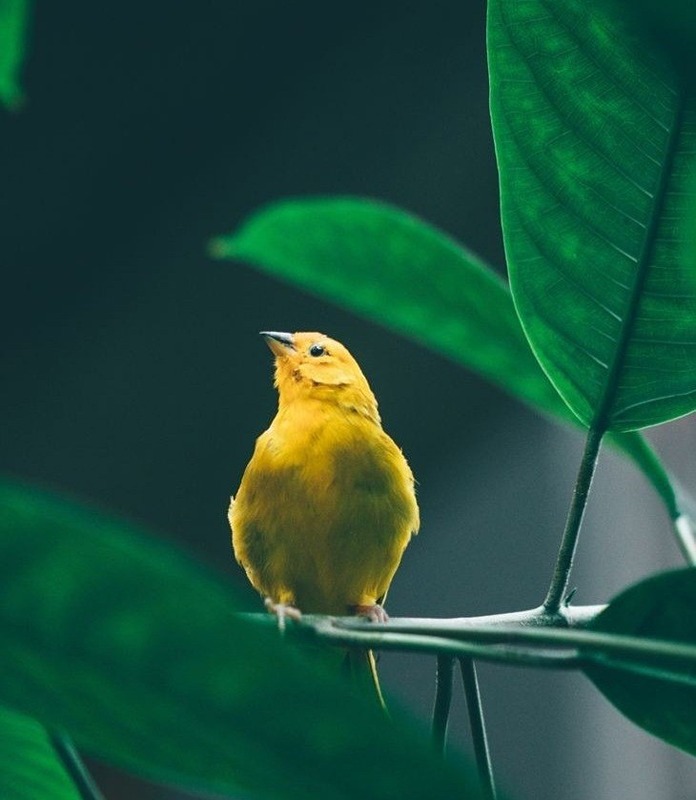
{"x": 29, "y": 767}
{"x": 594, "y": 142}
{"x": 396, "y": 269}
{"x": 137, "y": 653}
{"x": 14, "y": 16}
{"x": 663, "y": 699}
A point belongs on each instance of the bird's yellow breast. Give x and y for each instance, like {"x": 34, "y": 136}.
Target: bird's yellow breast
{"x": 325, "y": 509}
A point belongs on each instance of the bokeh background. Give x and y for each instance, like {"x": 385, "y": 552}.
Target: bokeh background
{"x": 132, "y": 373}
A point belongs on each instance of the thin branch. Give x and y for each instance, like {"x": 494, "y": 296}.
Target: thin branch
{"x": 566, "y": 552}
{"x": 74, "y": 766}
{"x": 523, "y": 657}
{"x": 488, "y": 638}
{"x": 443, "y": 701}
{"x": 565, "y": 617}
{"x": 478, "y": 728}
{"x": 445, "y": 638}
{"x": 434, "y": 645}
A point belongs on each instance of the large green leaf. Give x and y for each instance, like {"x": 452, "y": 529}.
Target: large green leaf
{"x": 13, "y": 27}
{"x": 594, "y": 142}
{"x": 394, "y": 268}
{"x": 661, "y": 700}
{"x": 29, "y": 767}
{"x": 137, "y": 653}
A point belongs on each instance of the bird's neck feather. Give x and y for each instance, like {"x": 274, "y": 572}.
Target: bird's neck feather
{"x": 318, "y": 404}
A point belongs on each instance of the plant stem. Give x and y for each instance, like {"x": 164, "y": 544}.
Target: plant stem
{"x": 431, "y": 639}
{"x": 566, "y": 552}
{"x": 434, "y": 645}
{"x": 478, "y": 728}
{"x": 74, "y": 766}
{"x": 461, "y": 637}
{"x": 567, "y": 617}
{"x": 443, "y": 701}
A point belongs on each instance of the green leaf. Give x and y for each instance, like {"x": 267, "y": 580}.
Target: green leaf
{"x": 594, "y": 142}
{"x": 659, "y": 698}
{"x": 136, "y": 651}
{"x": 395, "y": 269}
{"x": 14, "y": 16}
{"x": 29, "y": 767}
{"x": 382, "y": 262}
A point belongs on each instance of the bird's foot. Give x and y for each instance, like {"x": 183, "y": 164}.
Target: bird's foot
{"x": 374, "y": 612}
{"x": 283, "y": 612}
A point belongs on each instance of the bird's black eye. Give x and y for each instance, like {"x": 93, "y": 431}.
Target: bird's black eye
{"x": 316, "y": 350}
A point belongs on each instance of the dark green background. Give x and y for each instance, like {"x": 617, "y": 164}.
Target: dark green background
{"x": 132, "y": 364}
{"x": 131, "y": 368}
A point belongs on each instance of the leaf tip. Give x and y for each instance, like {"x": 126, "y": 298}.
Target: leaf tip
{"x": 219, "y": 247}
{"x": 12, "y": 97}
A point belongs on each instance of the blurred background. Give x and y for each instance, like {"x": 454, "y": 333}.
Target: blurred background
{"x": 133, "y": 375}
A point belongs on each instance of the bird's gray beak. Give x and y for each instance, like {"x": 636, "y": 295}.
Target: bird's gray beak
{"x": 279, "y": 343}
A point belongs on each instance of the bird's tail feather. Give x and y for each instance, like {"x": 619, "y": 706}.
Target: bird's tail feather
{"x": 360, "y": 666}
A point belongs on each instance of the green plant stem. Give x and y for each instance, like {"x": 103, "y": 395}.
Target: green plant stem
{"x": 478, "y": 728}
{"x": 75, "y": 767}
{"x": 443, "y": 700}
{"x": 488, "y": 638}
{"x": 531, "y": 654}
{"x": 566, "y": 617}
{"x": 432, "y": 638}
{"x": 434, "y": 645}
{"x": 564, "y": 561}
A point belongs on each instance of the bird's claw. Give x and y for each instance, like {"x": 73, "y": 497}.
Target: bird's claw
{"x": 283, "y": 612}
{"x": 374, "y": 612}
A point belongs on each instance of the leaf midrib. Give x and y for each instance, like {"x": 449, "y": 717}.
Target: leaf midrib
{"x": 602, "y": 419}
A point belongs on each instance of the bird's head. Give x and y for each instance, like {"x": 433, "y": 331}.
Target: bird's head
{"x": 313, "y": 366}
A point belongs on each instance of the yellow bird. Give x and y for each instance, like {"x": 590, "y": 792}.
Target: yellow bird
{"x": 327, "y": 503}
